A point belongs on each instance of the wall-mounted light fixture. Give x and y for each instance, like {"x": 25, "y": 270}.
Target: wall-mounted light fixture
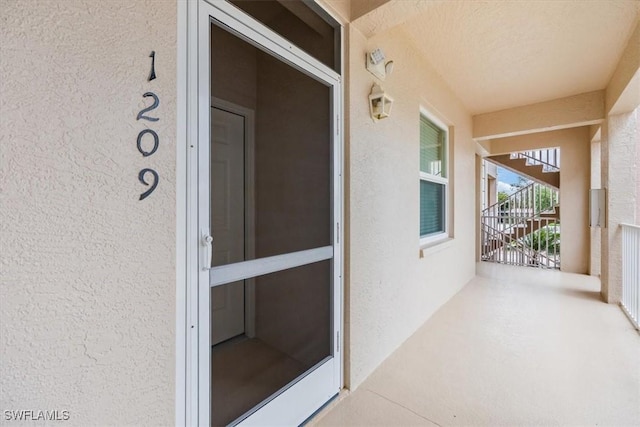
{"x": 376, "y": 64}
{"x": 379, "y": 103}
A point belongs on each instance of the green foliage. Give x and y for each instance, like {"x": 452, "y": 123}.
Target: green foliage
{"x": 502, "y": 196}
{"x": 546, "y": 239}
{"x": 542, "y": 199}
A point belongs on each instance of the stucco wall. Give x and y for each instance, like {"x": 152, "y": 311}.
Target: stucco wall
{"x": 391, "y": 290}
{"x": 594, "y": 232}
{"x": 619, "y": 146}
{"x": 575, "y": 174}
{"x": 87, "y": 304}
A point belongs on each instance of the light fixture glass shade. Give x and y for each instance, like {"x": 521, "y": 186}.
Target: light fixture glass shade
{"x": 379, "y": 103}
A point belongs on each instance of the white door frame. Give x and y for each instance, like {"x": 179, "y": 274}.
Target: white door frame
{"x": 249, "y": 200}
{"x": 193, "y": 316}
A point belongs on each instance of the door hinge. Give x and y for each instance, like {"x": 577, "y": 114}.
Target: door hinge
{"x": 338, "y": 342}
{"x": 338, "y": 124}
{"x": 338, "y": 236}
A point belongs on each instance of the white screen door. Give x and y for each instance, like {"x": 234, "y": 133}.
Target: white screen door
{"x": 269, "y": 208}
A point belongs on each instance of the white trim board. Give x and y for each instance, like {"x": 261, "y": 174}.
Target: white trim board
{"x": 250, "y": 244}
{"x": 258, "y": 267}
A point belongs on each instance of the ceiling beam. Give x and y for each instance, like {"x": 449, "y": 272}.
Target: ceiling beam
{"x": 539, "y": 141}
{"x": 573, "y": 111}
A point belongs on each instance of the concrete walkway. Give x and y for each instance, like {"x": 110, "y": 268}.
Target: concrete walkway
{"x": 516, "y": 346}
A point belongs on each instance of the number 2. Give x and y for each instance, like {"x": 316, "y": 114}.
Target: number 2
{"x": 153, "y": 106}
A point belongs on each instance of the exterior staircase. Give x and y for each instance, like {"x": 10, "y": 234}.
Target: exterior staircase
{"x": 524, "y": 229}
{"x": 542, "y": 166}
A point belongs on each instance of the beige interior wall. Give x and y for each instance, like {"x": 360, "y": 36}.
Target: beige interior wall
{"x": 574, "y": 198}
{"x": 575, "y": 174}
{"x": 391, "y": 290}
{"x": 87, "y": 305}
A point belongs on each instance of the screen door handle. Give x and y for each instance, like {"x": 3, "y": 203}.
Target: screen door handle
{"x": 207, "y": 242}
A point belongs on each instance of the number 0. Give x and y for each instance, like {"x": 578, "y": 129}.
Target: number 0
{"x": 155, "y": 142}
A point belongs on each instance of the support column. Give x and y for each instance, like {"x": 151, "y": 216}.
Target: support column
{"x": 619, "y": 147}
{"x": 478, "y": 164}
{"x": 595, "y": 233}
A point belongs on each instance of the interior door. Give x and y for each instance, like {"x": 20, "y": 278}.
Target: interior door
{"x": 290, "y": 363}
{"x": 227, "y": 219}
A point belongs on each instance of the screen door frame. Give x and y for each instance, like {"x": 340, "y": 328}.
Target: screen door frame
{"x": 197, "y": 351}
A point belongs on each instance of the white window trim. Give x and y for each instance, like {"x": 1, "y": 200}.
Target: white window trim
{"x": 440, "y": 237}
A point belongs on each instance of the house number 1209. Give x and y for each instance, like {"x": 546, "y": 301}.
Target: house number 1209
{"x": 152, "y": 134}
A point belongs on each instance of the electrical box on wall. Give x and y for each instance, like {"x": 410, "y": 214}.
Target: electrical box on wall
{"x": 597, "y": 207}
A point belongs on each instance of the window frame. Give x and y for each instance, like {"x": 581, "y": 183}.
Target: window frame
{"x": 438, "y": 236}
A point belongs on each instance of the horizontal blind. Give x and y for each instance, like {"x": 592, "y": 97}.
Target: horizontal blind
{"x": 431, "y": 208}
{"x": 431, "y": 148}
{"x": 432, "y": 162}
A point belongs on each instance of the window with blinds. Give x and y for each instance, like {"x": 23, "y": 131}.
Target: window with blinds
{"x": 433, "y": 179}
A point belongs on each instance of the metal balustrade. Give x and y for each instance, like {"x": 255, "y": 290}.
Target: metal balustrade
{"x": 549, "y": 159}
{"x": 631, "y": 272}
{"x": 524, "y": 229}
{"x": 523, "y": 246}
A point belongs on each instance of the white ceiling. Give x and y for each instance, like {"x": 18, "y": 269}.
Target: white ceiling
{"x": 501, "y": 54}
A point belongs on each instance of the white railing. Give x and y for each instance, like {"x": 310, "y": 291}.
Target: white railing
{"x": 631, "y": 272}
{"x": 529, "y": 201}
{"x": 530, "y": 242}
{"x": 523, "y": 229}
{"x": 549, "y": 159}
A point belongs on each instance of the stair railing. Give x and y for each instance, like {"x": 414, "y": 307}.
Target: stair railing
{"x": 631, "y": 272}
{"x": 516, "y": 230}
{"x": 503, "y": 248}
{"x": 529, "y": 201}
{"x": 549, "y": 159}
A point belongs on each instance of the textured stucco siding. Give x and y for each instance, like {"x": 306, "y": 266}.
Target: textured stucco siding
{"x": 87, "y": 297}
{"x": 594, "y": 232}
{"x": 391, "y": 290}
{"x": 619, "y": 149}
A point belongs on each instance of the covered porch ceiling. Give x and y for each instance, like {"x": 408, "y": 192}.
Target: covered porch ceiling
{"x": 497, "y": 55}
